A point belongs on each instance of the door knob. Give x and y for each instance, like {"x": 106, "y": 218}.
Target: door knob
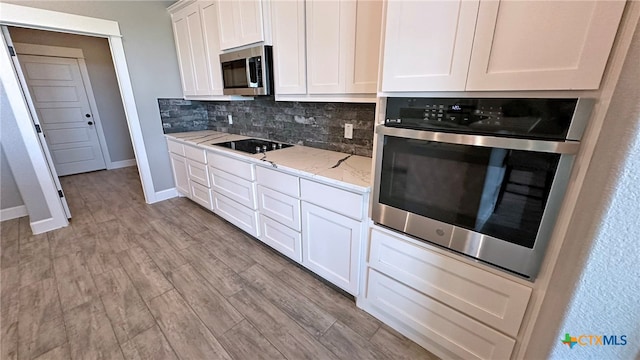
{"x": 87, "y": 115}
{"x": 90, "y": 123}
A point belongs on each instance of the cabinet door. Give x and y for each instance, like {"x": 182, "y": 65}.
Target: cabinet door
{"x": 327, "y": 25}
{"x": 564, "y": 46}
{"x": 250, "y": 24}
{"x": 180, "y": 174}
{"x": 331, "y": 246}
{"x": 289, "y": 55}
{"x": 237, "y": 214}
{"x": 281, "y": 238}
{"x": 428, "y": 44}
{"x": 192, "y": 56}
{"x": 240, "y": 23}
{"x": 362, "y": 69}
{"x": 209, "y": 16}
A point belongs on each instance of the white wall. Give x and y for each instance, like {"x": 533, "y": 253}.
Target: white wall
{"x": 9, "y": 193}
{"x": 598, "y": 284}
{"x": 103, "y": 81}
{"x": 151, "y": 57}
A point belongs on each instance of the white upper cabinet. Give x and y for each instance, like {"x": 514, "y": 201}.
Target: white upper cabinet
{"x": 497, "y": 44}
{"x": 542, "y": 45}
{"x": 289, "y": 56}
{"x": 240, "y": 23}
{"x": 343, "y": 42}
{"x": 428, "y": 45}
{"x": 209, "y": 16}
{"x": 196, "y": 35}
{"x": 190, "y": 46}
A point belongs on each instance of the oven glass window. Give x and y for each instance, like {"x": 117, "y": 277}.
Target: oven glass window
{"x": 498, "y": 192}
{"x": 234, "y": 74}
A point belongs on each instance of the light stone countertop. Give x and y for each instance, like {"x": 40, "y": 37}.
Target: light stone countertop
{"x": 354, "y": 173}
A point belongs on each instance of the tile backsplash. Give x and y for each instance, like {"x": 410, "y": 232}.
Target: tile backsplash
{"x": 319, "y": 125}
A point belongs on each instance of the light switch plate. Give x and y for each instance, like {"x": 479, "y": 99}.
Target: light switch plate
{"x": 348, "y": 131}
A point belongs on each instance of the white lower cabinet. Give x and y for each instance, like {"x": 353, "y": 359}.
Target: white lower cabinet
{"x": 331, "y": 246}
{"x": 282, "y": 238}
{"x": 235, "y": 213}
{"x": 200, "y": 194}
{"x": 452, "y": 308}
{"x": 280, "y": 207}
{"x": 241, "y": 190}
{"x": 180, "y": 174}
{"x": 454, "y": 334}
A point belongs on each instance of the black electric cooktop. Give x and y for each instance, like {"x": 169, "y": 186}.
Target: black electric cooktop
{"x": 253, "y": 146}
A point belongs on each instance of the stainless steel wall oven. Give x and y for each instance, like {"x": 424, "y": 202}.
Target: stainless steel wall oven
{"x": 483, "y": 177}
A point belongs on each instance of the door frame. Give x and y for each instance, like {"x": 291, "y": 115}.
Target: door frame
{"x": 78, "y": 54}
{"x": 16, "y": 15}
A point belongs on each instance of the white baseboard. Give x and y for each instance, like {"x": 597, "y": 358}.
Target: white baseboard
{"x": 13, "y": 212}
{"x": 165, "y": 195}
{"x": 121, "y": 164}
{"x": 42, "y": 226}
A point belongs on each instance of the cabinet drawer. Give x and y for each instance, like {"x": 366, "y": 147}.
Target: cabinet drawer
{"x": 280, "y": 207}
{"x": 239, "y": 215}
{"x": 195, "y": 154}
{"x": 232, "y": 166}
{"x": 436, "y": 323}
{"x": 276, "y": 180}
{"x": 240, "y": 190}
{"x": 287, "y": 241}
{"x": 489, "y": 298}
{"x": 175, "y": 147}
{"x": 338, "y": 200}
{"x": 200, "y": 194}
{"x": 198, "y": 172}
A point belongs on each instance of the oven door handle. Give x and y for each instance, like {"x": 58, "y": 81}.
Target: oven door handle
{"x": 554, "y": 147}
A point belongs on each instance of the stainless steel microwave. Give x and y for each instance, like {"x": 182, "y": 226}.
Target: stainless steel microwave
{"x": 247, "y": 71}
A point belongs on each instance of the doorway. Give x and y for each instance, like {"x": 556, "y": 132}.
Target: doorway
{"x": 33, "y": 18}
{"x": 61, "y": 101}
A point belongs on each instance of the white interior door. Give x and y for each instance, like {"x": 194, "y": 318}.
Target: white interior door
{"x": 60, "y": 99}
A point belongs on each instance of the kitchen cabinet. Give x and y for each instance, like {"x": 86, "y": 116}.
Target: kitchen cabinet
{"x": 343, "y": 42}
{"x": 196, "y": 36}
{"x": 326, "y": 48}
{"x": 331, "y": 246}
{"x": 240, "y": 23}
{"x": 564, "y": 46}
{"x": 180, "y": 174}
{"x": 497, "y": 45}
{"x": 452, "y": 308}
{"x": 428, "y": 44}
{"x": 190, "y": 172}
{"x": 234, "y": 191}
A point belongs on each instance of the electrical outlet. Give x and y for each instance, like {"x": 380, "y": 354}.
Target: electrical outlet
{"x": 348, "y": 131}
{"x": 230, "y": 117}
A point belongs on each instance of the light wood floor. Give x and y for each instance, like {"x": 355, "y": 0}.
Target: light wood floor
{"x": 165, "y": 281}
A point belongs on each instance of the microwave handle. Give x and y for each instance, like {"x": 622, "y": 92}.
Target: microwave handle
{"x": 252, "y": 81}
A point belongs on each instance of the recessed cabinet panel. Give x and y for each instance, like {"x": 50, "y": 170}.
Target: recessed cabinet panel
{"x": 237, "y": 214}
{"x": 326, "y": 55}
{"x": 185, "y": 58}
{"x": 240, "y": 23}
{"x": 283, "y": 208}
{"x": 200, "y": 194}
{"x": 281, "y": 238}
{"x": 331, "y": 246}
{"x": 279, "y": 181}
{"x": 209, "y": 16}
{"x": 175, "y": 147}
{"x": 240, "y": 190}
{"x": 428, "y": 44}
{"x": 289, "y": 55}
{"x": 435, "y": 322}
{"x": 250, "y": 21}
{"x": 489, "y": 298}
{"x": 362, "y": 76}
{"x": 180, "y": 174}
{"x": 564, "y": 46}
{"x": 198, "y": 172}
{"x": 232, "y": 166}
